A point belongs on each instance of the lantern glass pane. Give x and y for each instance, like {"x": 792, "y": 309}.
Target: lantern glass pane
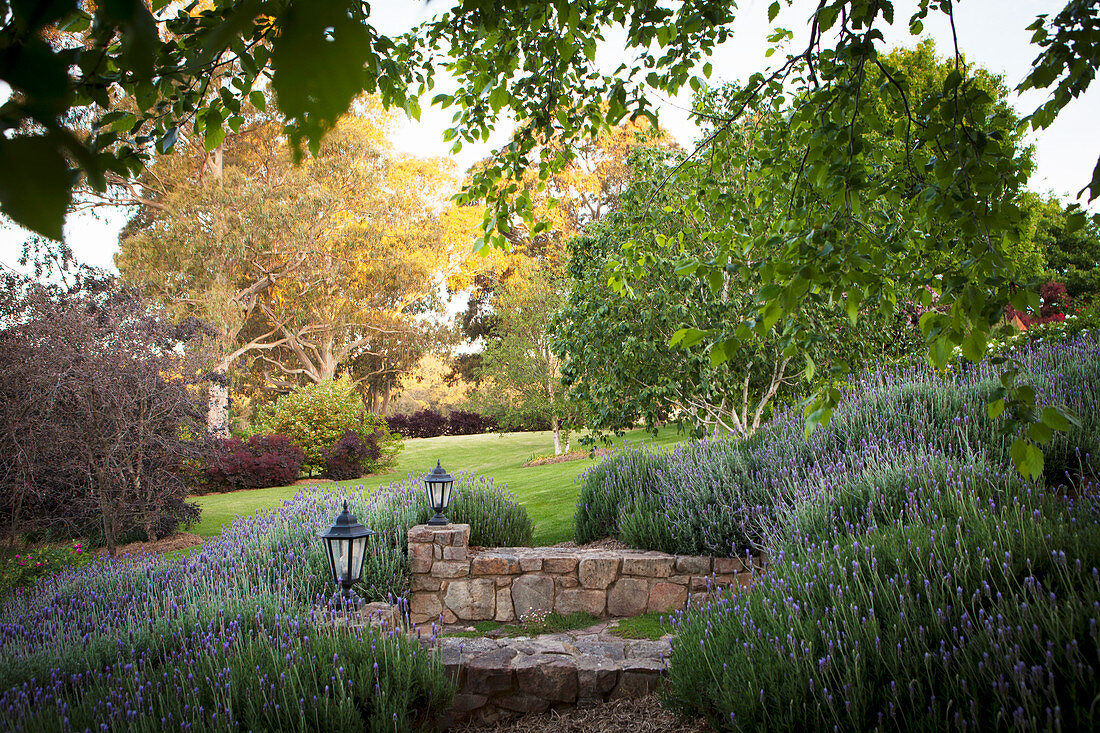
{"x": 446, "y": 494}
{"x": 435, "y": 495}
{"x": 342, "y": 557}
{"x": 358, "y": 550}
{"x": 330, "y": 546}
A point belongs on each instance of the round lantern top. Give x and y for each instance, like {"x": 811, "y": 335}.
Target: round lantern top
{"x": 439, "y": 475}
{"x": 347, "y": 527}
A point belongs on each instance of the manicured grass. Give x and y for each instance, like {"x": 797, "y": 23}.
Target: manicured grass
{"x": 549, "y": 492}
{"x": 647, "y": 626}
{"x": 553, "y": 623}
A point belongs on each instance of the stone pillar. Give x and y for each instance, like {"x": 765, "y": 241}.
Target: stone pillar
{"x": 437, "y": 555}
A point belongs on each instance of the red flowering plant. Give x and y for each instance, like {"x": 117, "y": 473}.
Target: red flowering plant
{"x": 1054, "y": 301}
{"x": 23, "y": 568}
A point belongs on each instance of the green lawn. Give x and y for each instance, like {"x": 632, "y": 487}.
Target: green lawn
{"x": 548, "y": 492}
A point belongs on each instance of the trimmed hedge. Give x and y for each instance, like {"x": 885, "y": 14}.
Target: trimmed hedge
{"x": 264, "y": 460}
{"x": 431, "y": 424}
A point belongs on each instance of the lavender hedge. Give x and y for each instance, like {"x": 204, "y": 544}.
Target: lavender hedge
{"x": 916, "y": 582}
{"x": 719, "y": 497}
{"x": 235, "y": 636}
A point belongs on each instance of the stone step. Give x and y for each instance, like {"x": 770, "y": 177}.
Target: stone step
{"x": 500, "y": 678}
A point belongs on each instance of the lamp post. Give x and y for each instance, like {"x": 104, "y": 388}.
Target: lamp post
{"x": 345, "y": 547}
{"x": 438, "y": 485}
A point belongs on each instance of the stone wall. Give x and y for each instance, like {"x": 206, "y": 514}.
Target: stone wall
{"x": 452, "y": 582}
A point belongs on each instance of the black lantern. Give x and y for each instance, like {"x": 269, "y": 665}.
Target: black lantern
{"x": 345, "y": 546}
{"x": 438, "y": 483}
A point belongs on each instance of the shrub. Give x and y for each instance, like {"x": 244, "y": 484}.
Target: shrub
{"x": 352, "y": 456}
{"x": 721, "y": 496}
{"x": 317, "y": 416}
{"x": 463, "y": 422}
{"x": 24, "y": 568}
{"x": 262, "y": 461}
{"x": 959, "y": 597}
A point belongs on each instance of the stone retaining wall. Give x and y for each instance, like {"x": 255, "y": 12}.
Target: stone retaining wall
{"x": 452, "y": 582}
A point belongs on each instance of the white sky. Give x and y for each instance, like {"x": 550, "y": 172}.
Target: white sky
{"x": 991, "y": 33}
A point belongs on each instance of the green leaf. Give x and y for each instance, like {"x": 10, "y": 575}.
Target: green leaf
{"x": 773, "y": 11}
{"x": 166, "y": 143}
{"x": 995, "y": 409}
{"x": 35, "y": 184}
{"x": 952, "y": 81}
{"x": 687, "y": 337}
{"x": 974, "y": 345}
{"x": 1027, "y": 458}
{"x": 1058, "y": 419}
{"x": 1040, "y": 433}
{"x": 258, "y": 100}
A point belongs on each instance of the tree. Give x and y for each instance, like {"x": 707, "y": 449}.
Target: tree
{"x": 519, "y": 363}
{"x": 540, "y": 63}
{"x": 311, "y": 269}
{"x": 94, "y": 369}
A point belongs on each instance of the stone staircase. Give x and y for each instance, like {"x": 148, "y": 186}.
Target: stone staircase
{"x": 499, "y": 678}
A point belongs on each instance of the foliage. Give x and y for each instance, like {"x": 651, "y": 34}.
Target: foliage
{"x": 464, "y": 422}
{"x": 653, "y": 499}
{"x": 232, "y": 637}
{"x": 352, "y": 456}
{"x": 428, "y": 423}
{"x": 309, "y": 270}
{"x": 27, "y": 567}
{"x": 650, "y": 626}
{"x": 92, "y": 367}
{"x": 519, "y": 363}
{"x": 232, "y": 464}
{"x": 317, "y": 416}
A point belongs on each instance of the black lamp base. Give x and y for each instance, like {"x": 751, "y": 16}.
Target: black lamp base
{"x": 438, "y": 520}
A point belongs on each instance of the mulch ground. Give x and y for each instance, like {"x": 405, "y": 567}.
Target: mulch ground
{"x": 641, "y": 715}
{"x": 178, "y": 541}
{"x": 577, "y": 455}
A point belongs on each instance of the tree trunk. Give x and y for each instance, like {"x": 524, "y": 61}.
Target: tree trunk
{"x": 557, "y": 434}
{"x": 217, "y": 414}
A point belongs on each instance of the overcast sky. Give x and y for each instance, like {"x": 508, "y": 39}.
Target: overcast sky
{"x": 991, "y": 33}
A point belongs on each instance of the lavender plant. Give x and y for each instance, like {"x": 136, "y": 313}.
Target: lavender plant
{"x": 720, "y": 497}
{"x": 917, "y": 582}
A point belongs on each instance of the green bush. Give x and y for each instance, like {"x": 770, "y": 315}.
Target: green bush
{"x": 317, "y": 416}
{"x": 26, "y": 567}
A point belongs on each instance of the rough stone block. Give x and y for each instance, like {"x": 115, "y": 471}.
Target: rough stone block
{"x": 505, "y": 611}
{"x": 559, "y": 564}
{"x": 532, "y": 593}
{"x": 628, "y": 597}
{"x": 448, "y": 616}
{"x": 598, "y": 572}
{"x": 700, "y": 583}
{"x": 424, "y": 583}
{"x": 454, "y": 553}
{"x": 462, "y": 535}
{"x": 612, "y": 650}
{"x": 464, "y": 702}
{"x": 450, "y": 569}
{"x": 693, "y": 565}
{"x": 471, "y": 600}
{"x": 504, "y": 581}
{"x": 728, "y": 565}
{"x": 666, "y": 597}
{"x": 683, "y": 580}
{"x": 420, "y": 533}
{"x": 648, "y": 567}
{"x": 637, "y": 679}
{"x": 565, "y": 581}
{"x": 420, "y": 558}
{"x": 522, "y": 703}
{"x": 443, "y": 536}
{"x": 596, "y": 676}
{"x": 437, "y": 552}
{"x": 424, "y": 605}
{"x": 530, "y": 564}
{"x": 495, "y": 565}
{"x": 580, "y": 600}
{"x": 551, "y": 677}
{"x": 490, "y": 673}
